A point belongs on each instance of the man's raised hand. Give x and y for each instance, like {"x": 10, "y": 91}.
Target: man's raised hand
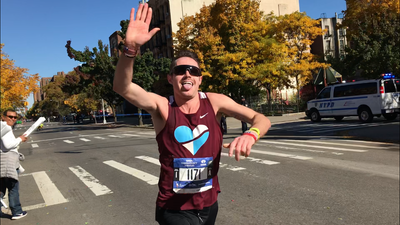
{"x": 138, "y": 29}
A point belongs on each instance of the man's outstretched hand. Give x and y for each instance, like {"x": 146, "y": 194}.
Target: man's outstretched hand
{"x": 241, "y": 146}
{"x": 138, "y": 29}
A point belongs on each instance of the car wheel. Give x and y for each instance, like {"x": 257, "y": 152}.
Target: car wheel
{"x": 390, "y": 116}
{"x": 338, "y": 118}
{"x": 365, "y": 115}
{"x": 314, "y": 115}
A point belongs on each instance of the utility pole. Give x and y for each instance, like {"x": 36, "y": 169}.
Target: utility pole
{"x": 104, "y": 114}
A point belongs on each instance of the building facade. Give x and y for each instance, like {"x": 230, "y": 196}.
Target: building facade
{"x": 333, "y": 42}
{"x": 41, "y": 95}
{"x": 167, "y": 14}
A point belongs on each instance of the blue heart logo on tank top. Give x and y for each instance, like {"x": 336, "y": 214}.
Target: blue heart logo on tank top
{"x": 193, "y": 140}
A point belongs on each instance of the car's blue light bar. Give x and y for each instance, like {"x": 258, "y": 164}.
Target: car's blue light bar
{"x": 388, "y": 76}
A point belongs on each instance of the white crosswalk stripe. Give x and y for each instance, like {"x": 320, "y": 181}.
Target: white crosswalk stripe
{"x": 146, "y": 177}
{"x": 252, "y": 159}
{"x": 84, "y": 139}
{"x": 312, "y": 146}
{"x": 149, "y": 159}
{"x": 131, "y": 135}
{"x": 334, "y": 143}
{"x": 49, "y": 191}
{"x": 90, "y": 181}
{"x": 68, "y": 141}
{"x": 35, "y": 146}
{"x": 101, "y": 138}
{"x": 281, "y": 154}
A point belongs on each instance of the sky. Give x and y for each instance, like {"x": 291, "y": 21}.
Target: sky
{"x": 34, "y": 33}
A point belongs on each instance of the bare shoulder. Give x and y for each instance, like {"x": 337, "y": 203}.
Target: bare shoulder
{"x": 220, "y": 101}
{"x": 216, "y": 98}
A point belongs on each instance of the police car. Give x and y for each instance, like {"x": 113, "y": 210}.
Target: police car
{"x": 364, "y": 99}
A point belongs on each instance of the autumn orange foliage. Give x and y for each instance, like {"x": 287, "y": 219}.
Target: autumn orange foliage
{"x": 15, "y": 82}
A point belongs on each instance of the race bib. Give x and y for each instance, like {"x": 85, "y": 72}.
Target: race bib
{"x": 192, "y": 175}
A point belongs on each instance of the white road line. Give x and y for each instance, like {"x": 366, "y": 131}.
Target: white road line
{"x": 281, "y": 155}
{"x": 114, "y": 136}
{"x": 307, "y": 150}
{"x": 146, "y": 177}
{"x": 35, "y": 145}
{"x": 84, "y": 139}
{"x": 252, "y": 159}
{"x": 331, "y": 128}
{"x": 68, "y": 141}
{"x": 48, "y": 189}
{"x": 370, "y": 142}
{"x": 37, "y": 206}
{"x": 86, "y": 135}
{"x": 97, "y": 137}
{"x": 90, "y": 181}
{"x": 334, "y": 143}
{"x": 313, "y": 146}
{"x": 229, "y": 167}
{"x": 149, "y": 159}
{"x": 131, "y": 135}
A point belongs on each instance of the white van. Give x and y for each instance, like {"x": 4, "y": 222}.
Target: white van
{"x": 366, "y": 99}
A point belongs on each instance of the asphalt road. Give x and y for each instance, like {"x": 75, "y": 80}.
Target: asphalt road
{"x": 300, "y": 173}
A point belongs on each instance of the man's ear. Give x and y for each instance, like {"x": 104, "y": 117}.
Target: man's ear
{"x": 201, "y": 79}
{"x": 169, "y": 78}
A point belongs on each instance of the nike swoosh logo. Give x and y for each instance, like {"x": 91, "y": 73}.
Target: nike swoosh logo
{"x": 201, "y": 117}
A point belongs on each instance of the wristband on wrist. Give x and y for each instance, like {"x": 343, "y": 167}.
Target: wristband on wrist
{"x": 250, "y": 133}
{"x": 256, "y": 130}
{"x": 131, "y": 53}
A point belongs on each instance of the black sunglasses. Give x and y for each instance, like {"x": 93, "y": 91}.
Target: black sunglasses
{"x": 12, "y": 117}
{"x": 180, "y": 70}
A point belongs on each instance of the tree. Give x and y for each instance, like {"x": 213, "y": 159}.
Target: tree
{"x": 373, "y": 32}
{"x": 56, "y": 97}
{"x": 296, "y": 31}
{"x": 97, "y": 73}
{"x": 237, "y": 52}
{"x": 15, "y": 82}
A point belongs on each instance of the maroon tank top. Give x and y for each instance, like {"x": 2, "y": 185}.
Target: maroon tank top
{"x": 190, "y": 151}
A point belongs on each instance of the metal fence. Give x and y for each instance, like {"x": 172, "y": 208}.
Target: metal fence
{"x": 275, "y": 106}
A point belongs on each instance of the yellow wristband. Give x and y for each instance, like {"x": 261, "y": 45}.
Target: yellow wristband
{"x": 255, "y": 130}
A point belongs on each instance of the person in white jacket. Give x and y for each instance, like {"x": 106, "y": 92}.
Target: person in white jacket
{"x": 10, "y": 163}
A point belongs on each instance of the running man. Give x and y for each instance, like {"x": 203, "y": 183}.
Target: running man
{"x": 187, "y": 130}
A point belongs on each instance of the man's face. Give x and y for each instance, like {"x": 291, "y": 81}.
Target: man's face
{"x": 185, "y": 83}
{"x": 10, "y": 118}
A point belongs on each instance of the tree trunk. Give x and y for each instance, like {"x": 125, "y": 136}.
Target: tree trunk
{"x": 269, "y": 100}
{"x": 140, "y": 118}
{"x": 298, "y": 93}
{"x": 115, "y": 113}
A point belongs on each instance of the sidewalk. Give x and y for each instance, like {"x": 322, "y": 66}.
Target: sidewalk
{"x": 233, "y": 123}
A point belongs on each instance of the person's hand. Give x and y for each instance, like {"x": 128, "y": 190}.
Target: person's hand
{"x": 138, "y": 30}
{"x": 241, "y": 146}
{"x": 23, "y": 138}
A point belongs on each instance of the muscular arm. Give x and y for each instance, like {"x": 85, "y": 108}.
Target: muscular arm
{"x": 138, "y": 34}
{"x": 242, "y": 144}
